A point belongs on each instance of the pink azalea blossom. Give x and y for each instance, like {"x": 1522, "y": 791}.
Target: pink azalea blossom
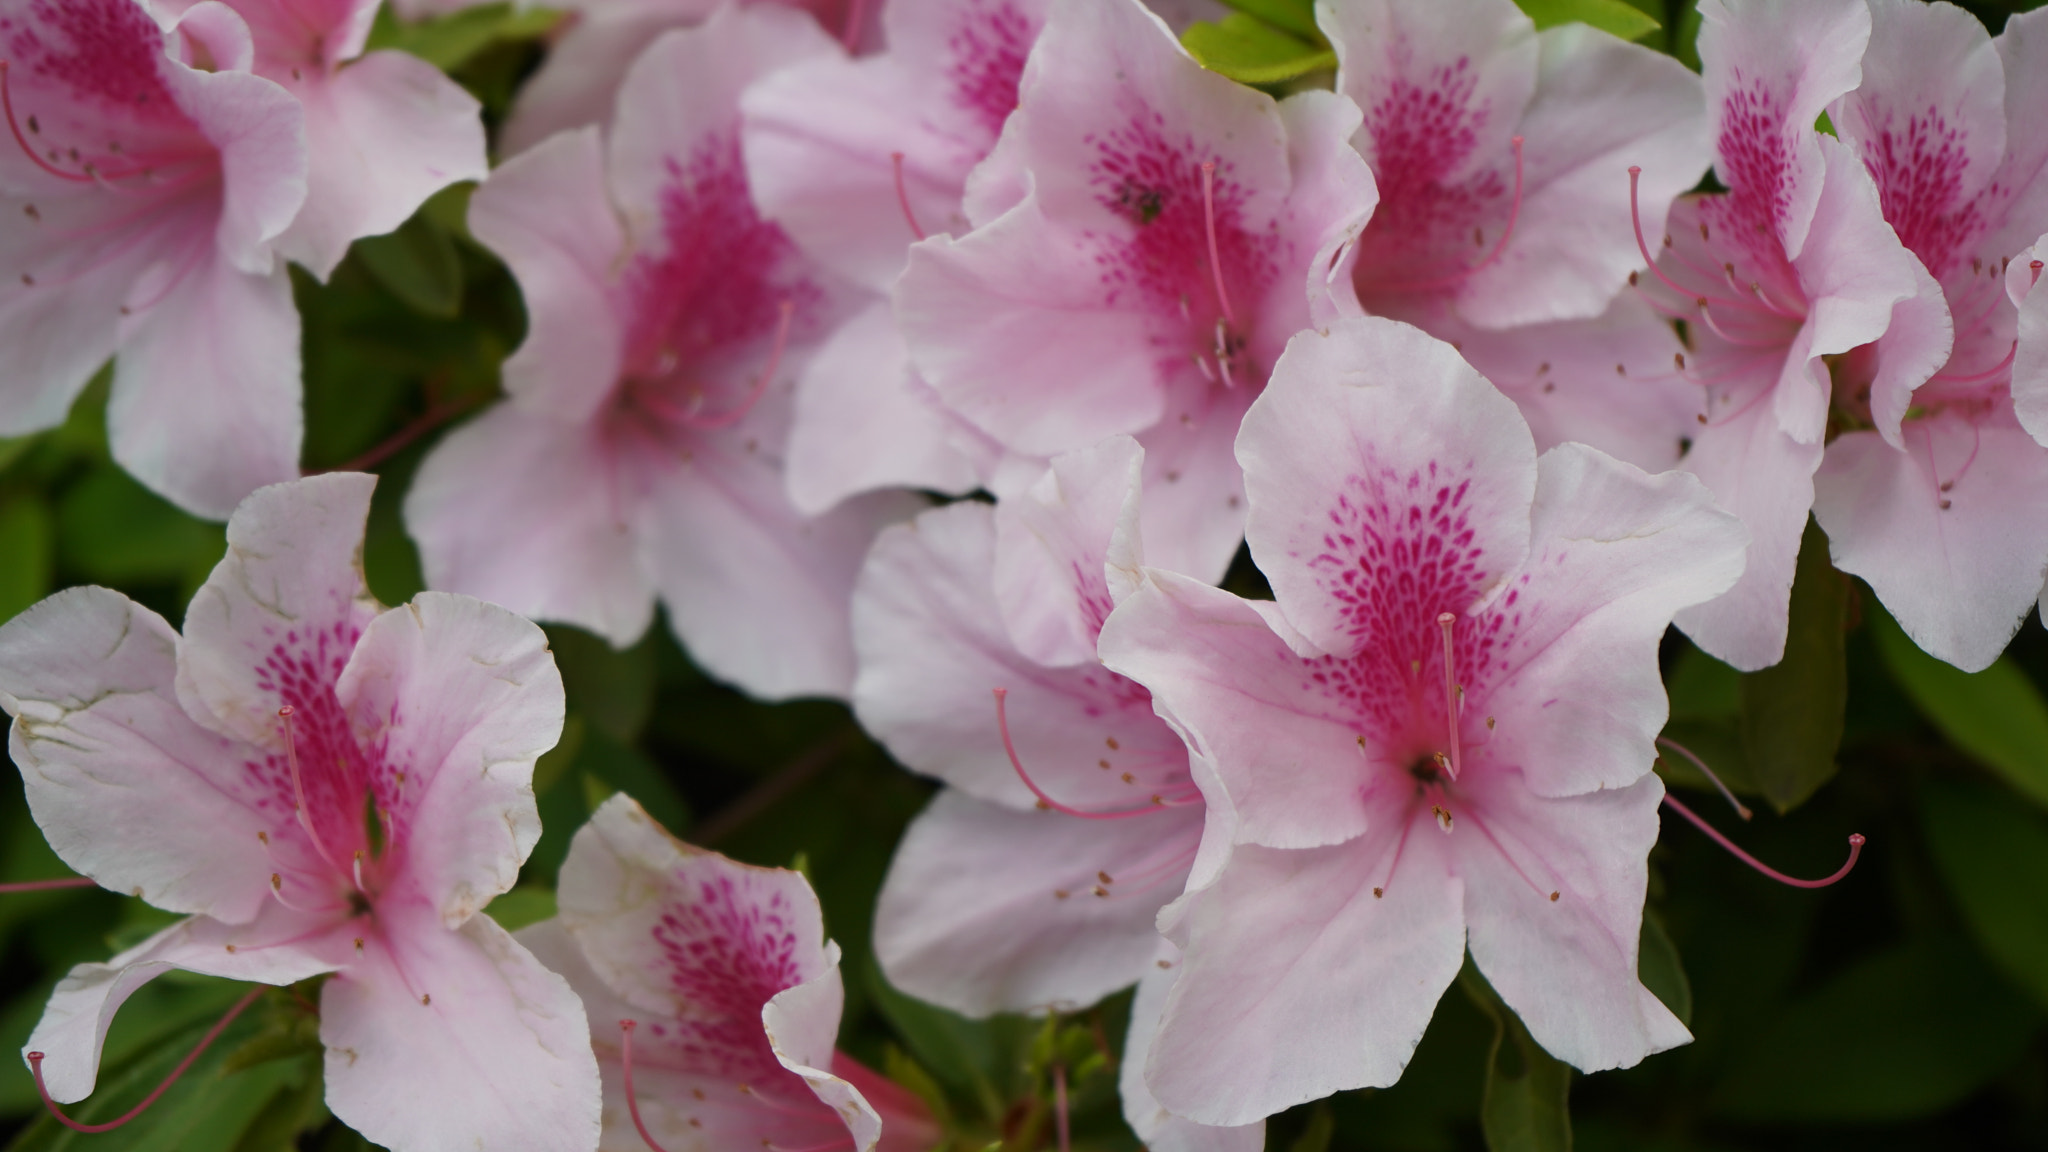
{"x": 1014, "y": 894}
{"x": 1439, "y": 733}
{"x": 1792, "y": 266}
{"x": 1938, "y": 496}
{"x": 145, "y": 198}
{"x": 856, "y": 159}
{"x": 1145, "y": 237}
{"x": 719, "y": 977}
{"x": 384, "y": 130}
{"x": 1501, "y": 156}
{"x": 641, "y": 452}
{"x": 321, "y": 787}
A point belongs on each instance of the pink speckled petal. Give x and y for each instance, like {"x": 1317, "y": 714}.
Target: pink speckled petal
{"x": 455, "y": 699}
{"x": 990, "y": 909}
{"x": 2030, "y": 353}
{"x": 1193, "y": 514}
{"x": 1771, "y": 68}
{"x": 933, "y": 648}
{"x": 2023, "y": 49}
{"x": 1376, "y": 458}
{"x": 1576, "y": 699}
{"x": 127, "y": 789}
{"x": 1951, "y": 533}
{"x": 577, "y": 84}
{"x": 1554, "y": 903}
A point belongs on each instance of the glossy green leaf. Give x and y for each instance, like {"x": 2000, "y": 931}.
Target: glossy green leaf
{"x": 448, "y": 42}
{"x": 1296, "y": 16}
{"x": 1661, "y": 971}
{"x": 112, "y": 530}
{"x": 522, "y": 906}
{"x": 1997, "y": 715}
{"x": 1611, "y": 16}
{"x": 1994, "y": 855}
{"x": 1905, "y": 1033}
{"x": 418, "y": 264}
{"x": 1792, "y": 711}
{"x": 1526, "y": 1106}
{"x": 27, "y": 539}
{"x": 1251, "y": 51}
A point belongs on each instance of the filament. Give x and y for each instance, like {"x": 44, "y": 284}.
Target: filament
{"x": 35, "y": 1064}
{"x": 1855, "y": 850}
{"x": 633, "y": 1102}
{"x": 1451, "y": 692}
{"x": 903, "y": 195}
{"x": 1009, "y": 748}
{"x": 46, "y": 885}
{"x": 1209, "y": 221}
{"x": 291, "y": 755}
{"x": 1741, "y": 809}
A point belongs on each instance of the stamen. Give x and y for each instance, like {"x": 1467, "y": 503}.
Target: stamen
{"x": 1855, "y": 850}
{"x": 291, "y": 755}
{"x": 633, "y": 1102}
{"x": 1209, "y": 221}
{"x": 46, "y": 885}
{"x": 35, "y": 1064}
{"x": 2034, "y": 266}
{"x": 1707, "y": 314}
{"x": 691, "y": 419}
{"x": 1986, "y": 374}
{"x": 1635, "y": 174}
{"x": 1003, "y": 725}
{"x": 7, "y": 103}
{"x": 1451, "y": 694}
{"x": 1741, "y": 809}
{"x": 903, "y": 196}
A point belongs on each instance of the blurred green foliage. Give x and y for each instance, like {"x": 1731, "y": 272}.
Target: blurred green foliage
{"x": 1902, "y": 1009}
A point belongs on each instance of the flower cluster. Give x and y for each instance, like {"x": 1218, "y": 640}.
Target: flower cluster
{"x": 1498, "y": 356}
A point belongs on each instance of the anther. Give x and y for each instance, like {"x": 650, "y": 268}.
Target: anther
{"x": 1377, "y": 893}
{"x": 1209, "y": 221}
{"x": 35, "y": 1065}
{"x": 1443, "y": 816}
{"x": 903, "y": 195}
{"x": 1855, "y": 850}
{"x": 626, "y": 1064}
{"x": 2034, "y": 267}
{"x": 1452, "y": 693}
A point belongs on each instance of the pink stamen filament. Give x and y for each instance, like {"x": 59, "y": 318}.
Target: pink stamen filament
{"x": 35, "y": 1064}
{"x": 1010, "y": 749}
{"x": 1635, "y": 174}
{"x": 1209, "y": 222}
{"x": 1741, "y": 809}
{"x": 903, "y": 195}
{"x": 1707, "y": 314}
{"x": 1855, "y": 850}
{"x": 46, "y": 885}
{"x": 633, "y": 1102}
{"x": 1986, "y": 374}
{"x": 291, "y": 755}
{"x": 691, "y": 419}
{"x": 1445, "y": 621}
{"x": 14, "y": 126}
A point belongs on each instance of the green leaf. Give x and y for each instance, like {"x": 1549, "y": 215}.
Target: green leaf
{"x": 26, "y": 541}
{"x": 418, "y": 264}
{"x": 1296, "y": 16}
{"x": 1659, "y": 968}
{"x": 1322, "y": 1124}
{"x": 448, "y": 42}
{"x": 1906, "y": 1033}
{"x": 1525, "y": 1107}
{"x": 612, "y": 689}
{"x": 979, "y": 1057}
{"x": 1994, "y": 855}
{"x": 1611, "y": 16}
{"x": 522, "y": 906}
{"x": 1250, "y": 51}
{"x": 1792, "y": 711}
{"x": 1996, "y": 716}
{"x": 111, "y": 530}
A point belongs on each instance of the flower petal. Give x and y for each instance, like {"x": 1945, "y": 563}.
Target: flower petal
{"x": 1052, "y": 543}
{"x": 1161, "y": 1130}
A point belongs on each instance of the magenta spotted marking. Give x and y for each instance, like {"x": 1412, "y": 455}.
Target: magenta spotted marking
{"x": 1155, "y": 184}
{"x": 1427, "y": 220}
{"x": 1755, "y": 150}
{"x": 100, "y": 50}
{"x": 988, "y": 48}
{"x": 1400, "y": 551}
{"x": 728, "y": 952}
{"x": 704, "y": 302}
{"x": 1918, "y": 166}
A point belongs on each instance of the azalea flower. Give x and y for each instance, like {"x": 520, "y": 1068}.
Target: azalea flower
{"x": 642, "y": 448}
{"x": 856, "y": 159}
{"x": 1937, "y": 496}
{"x": 1146, "y": 236}
{"x": 320, "y": 786}
{"x": 1438, "y": 733}
{"x": 145, "y": 197}
{"x": 1792, "y": 265}
{"x": 714, "y": 1000}
{"x": 1501, "y": 156}
{"x": 1072, "y": 817}
{"x": 384, "y": 130}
